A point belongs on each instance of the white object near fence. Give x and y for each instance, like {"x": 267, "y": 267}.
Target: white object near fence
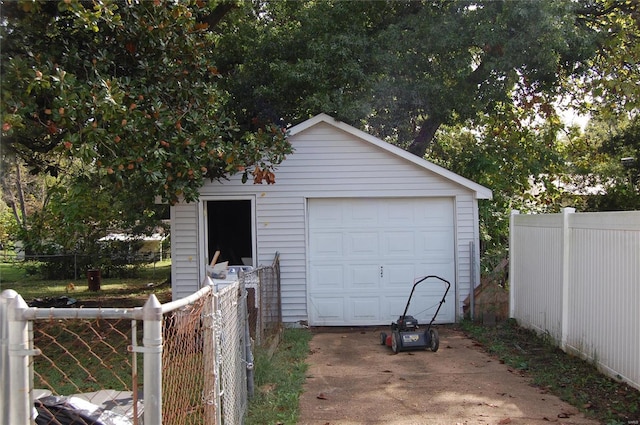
{"x": 576, "y": 277}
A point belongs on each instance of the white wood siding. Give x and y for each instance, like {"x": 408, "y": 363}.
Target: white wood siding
{"x": 466, "y": 232}
{"x": 185, "y": 278}
{"x": 327, "y": 162}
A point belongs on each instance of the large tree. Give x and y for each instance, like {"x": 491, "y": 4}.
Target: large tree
{"x": 128, "y": 89}
{"x": 402, "y": 69}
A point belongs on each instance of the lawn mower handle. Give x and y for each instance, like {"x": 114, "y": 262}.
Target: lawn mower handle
{"x": 441, "y": 302}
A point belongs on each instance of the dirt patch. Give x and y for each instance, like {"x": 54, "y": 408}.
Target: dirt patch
{"x": 352, "y": 379}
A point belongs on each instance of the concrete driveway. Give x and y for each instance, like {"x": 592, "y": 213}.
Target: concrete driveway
{"x": 352, "y": 379}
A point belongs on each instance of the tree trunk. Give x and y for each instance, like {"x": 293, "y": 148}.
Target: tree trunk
{"x": 13, "y": 194}
{"x": 428, "y": 129}
{"x": 425, "y": 136}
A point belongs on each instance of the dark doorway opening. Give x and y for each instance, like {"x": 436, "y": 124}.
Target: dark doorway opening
{"x": 229, "y": 231}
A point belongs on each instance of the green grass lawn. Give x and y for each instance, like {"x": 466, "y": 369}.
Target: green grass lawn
{"x": 151, "y": 279}
{"x": 279, "y": 379}
{"x": 10, "y": 272}
{"x": 84, "y": 355}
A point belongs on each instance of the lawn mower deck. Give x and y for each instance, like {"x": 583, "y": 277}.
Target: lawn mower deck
{"x": 407, "y": 334}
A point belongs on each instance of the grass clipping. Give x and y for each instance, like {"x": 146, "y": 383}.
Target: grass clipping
{"x": 279, "y": 379}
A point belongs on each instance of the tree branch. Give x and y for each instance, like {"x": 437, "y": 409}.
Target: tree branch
{"x": 218, "y": 14}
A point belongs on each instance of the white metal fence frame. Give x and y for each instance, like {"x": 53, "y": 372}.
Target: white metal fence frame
{"x": 576, "y": 277}
{"x": 230, "y": 338}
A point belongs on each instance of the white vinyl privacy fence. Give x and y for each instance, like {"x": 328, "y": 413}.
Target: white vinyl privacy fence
{"x": 576, "y": 277}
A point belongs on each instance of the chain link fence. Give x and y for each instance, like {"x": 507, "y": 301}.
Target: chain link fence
{"x": 188, "y": 363}
{"x": 184, "y": 362}
{"x": 264, "y": 301}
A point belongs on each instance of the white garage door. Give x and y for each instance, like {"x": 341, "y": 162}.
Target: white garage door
{"x": 365, "y": 255}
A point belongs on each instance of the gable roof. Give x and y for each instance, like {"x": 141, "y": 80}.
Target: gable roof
{"x": 480, "y": 191}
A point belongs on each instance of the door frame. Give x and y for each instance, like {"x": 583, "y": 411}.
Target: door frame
{"x": 203, "y": 230}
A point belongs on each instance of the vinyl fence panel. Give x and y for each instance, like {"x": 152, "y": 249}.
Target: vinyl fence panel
{"x": 576, "y": 277}
{"x": 538, "y": 296}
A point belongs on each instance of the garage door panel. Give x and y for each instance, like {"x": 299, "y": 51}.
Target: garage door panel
{"x": 423, "y": 309}
{"x": 435, "y": 212}
{"x": 328, "y": 277}
{"x": 400, "y": 244}
{"x": 399, "y": 277}
{"x": 328, "y": 310}
{"x": 362, "y": 244}
{"x": 363, "y": 310}
{"x": 392, "y": 307}
{"x": 362, "y": 278}
{"x": 360, "y": 214}
{"x": 399, "y": 212}
{"x": 327, "y": 245}
{"x": 434, "y": 242}
{"x": 325, "y": 215}
{"x": 444, "y": 270}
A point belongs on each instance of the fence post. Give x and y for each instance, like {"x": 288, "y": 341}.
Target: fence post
{"x": 512, "y": 265}
{"x": 566, "y": 253}
{"x": 6, "y": 298}
{"x": 211, "y": 369}
{"x": 19, "y": 388}
{"x": 472, "y": 293}
{"x": 152, "y": 363}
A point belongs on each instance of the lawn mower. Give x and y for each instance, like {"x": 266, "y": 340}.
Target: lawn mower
{"x": 407, "y": 334}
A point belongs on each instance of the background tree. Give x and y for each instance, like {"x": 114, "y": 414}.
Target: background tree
{"x": 128, "y": 89}
{"x": 603, "y": 164}
{"x": 23, "y": 193}
{"x": 402, "y": 69}
{"x": 604, "y": 159}
{"x": 8, "y": 228}
{"x": 119, "y": 103}
{"x": 520, "y": 161}
{"x": 608, "y": 84}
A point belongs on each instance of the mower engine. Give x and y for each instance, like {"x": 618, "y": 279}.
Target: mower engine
{"x": 405, "y": 323}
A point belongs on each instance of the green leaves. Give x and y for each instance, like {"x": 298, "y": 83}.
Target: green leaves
{"x": 110, "y": 81}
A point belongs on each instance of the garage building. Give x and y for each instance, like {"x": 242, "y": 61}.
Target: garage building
{"x": 356, "y": 220}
